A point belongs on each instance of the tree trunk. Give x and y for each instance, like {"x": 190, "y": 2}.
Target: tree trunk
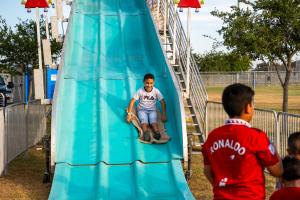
{"x": 285, "y": 86}
{"x": 285, "y": 101}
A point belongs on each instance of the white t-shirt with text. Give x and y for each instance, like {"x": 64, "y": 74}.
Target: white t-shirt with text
{"x": 147, "y": 100}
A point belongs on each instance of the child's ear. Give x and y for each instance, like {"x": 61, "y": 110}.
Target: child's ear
{"x": 248, "y": 108}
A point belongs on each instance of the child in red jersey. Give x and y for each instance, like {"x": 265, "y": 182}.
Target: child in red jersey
{"x": 235, "y": 154}
{"x": 291, "y": 180}
{"x": 294, "y": 145}
{"x": 293, "y": 151}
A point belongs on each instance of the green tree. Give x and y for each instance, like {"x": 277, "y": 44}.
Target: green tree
{"x": 18, "y": 46}
{"x": 220, "y": 61}
{"x": 268, "y": 30}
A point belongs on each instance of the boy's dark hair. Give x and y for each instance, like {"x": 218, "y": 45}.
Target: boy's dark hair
{"x": 235, "y": 97}
{"x": 291, "y": 168}
{"x": 294, "y": 143}
{"x": 148, "y": 76}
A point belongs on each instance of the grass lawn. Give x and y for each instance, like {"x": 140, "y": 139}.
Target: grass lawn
{"x": 24, "y": 178}
{"x": 266, "y": 97}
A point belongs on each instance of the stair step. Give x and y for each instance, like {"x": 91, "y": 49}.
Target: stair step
{"x": 161, "y": 31}
{"x": 196, "y": 152}
{"x": 197, "y": 144}
{"x": 196, "y": 134}
{"x": 190, "y": 115}
{"x": 162, "y": 34}
{"x": 192, "y": 124}
{"x": 188, "y": 106}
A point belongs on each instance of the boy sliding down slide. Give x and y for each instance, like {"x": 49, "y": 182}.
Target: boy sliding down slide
{"x": 146, "y": 109}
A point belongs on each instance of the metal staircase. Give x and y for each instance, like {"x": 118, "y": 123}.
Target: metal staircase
{"x": 175, "y": 45}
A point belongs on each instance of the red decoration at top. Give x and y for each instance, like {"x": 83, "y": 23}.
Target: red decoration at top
{"x": 36, "y": 4}
{"x": 189, "y": 4}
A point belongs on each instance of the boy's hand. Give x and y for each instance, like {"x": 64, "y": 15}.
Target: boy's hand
{"x": 163, "y": 117}
{"x": 129, "y": 118}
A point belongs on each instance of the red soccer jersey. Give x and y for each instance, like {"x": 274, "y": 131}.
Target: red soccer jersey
{"x": 237, "y": 155}
{"x": 288, "y": 193}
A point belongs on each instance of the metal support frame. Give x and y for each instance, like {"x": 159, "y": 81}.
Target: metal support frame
{"x": 47, "y": 28}
{"x": 188, "y": 54}
{"x": 157, "y": 13}
{"x": 165, "y": 23}
{"x": 174, "y": 36}
{"x": 38, "y": 37}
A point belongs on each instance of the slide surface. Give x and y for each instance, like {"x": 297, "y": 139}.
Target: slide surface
{"x": 109, "y": 47}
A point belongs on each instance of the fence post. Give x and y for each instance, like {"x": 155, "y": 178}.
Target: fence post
{"x": 206, "y": 120}
{"x": 2, "y": 143}
{"x": 5, "y": 146}
{"x": 254, "y": 80}
{"x": 277, "y": 133}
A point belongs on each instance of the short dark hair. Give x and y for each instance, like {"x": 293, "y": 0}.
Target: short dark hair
{"x": 148, "y": 76}
{"x": 294, "y": 143}
{"x": 291, "y": 168}
{"x": 235, "y": 97}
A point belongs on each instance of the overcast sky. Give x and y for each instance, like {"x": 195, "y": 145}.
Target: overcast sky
{"x": 202, "y": 22}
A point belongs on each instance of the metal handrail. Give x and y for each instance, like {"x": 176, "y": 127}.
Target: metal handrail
{"x": 198, "y": 93}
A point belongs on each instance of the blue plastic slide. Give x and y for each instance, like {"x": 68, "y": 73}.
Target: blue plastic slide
{"x": 109, "y": 47}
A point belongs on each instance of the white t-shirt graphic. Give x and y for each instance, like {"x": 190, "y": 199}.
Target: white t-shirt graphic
{"x": 147, "y": 100}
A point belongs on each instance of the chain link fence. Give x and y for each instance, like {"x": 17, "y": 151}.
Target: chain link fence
{"x": 249, "y": 78}
{"x": 21, "y": 127}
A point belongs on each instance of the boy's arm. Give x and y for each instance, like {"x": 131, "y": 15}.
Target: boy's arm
{"x": 164, "y": 108}
{"x": 129, "y": 110}
{"x": 276, "y": 170}
{"x": 208, "y": 173}
{"x": 268, "y": 154}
